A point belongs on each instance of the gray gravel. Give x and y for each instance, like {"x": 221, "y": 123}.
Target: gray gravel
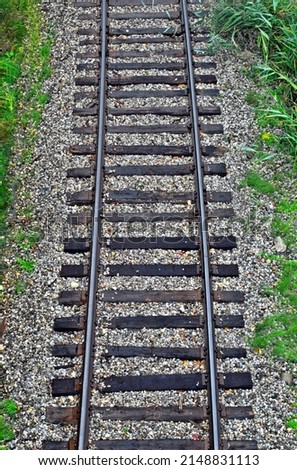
{"x": 29, "y": 363}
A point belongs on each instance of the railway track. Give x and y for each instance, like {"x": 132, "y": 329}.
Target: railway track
{"x": 148, "y": 307}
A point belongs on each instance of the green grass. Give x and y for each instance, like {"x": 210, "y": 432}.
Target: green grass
{"x": 277, "y": 333}
{"x": 292, "y": 423}
{"x": 27, "y": 211}
{"x": 252, "y": 98}
{"x": 292, "y": 420}
{"x": 257, "y": 183}
{"x": 287, "y": 286}
{"x": 286, "y": 206}
{"x": 268, "y": 30}
{"x": 26, "y": 264}
{"x": 20, "y": 287}
{"x": 6, "y": 433}
{"x": 9, "y": 407}
{"x": 26, "y": 239}
{"x": 25, "y": 49}
{"x": 12, "y": 32}
{"x": 285, "y": 227}
{"x": 23, "y": 46}
{"x": 269, "y": 27}
{"x": 8, "y": 410}
{"x": 43, "y": 98}
{"x": 284, "y": 223}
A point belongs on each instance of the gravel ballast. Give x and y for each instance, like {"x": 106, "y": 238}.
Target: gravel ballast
{"x": 29, "y": 337}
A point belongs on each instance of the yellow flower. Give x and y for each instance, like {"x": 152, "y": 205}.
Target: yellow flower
{"x": 266, "y": 136}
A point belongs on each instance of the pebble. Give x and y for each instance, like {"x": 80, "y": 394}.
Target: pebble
{"x": 280, "y": 245}
{"x": 287, "y": 378}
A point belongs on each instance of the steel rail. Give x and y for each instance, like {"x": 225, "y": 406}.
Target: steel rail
{"x": 208, "y": 304}
{"x": 87, "y": 374}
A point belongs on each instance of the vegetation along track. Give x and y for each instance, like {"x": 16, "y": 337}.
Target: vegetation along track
{"x": 149, "y": 308}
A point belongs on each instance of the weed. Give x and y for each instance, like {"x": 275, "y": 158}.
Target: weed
{"x": 23, "y": 47}
{"x": 27, "y": 211}
{"x": 252, "y": 98}
{"x": 8, "y": 409}
{"x": 244, "y": 20}
{"x": 46, "y": 72}
{"x": 45, "y": 51}
{"x": 216, "y": 43}
{"x": 31, "y": 117}
{"x": 43, "y": 98}
{"x": 287, "y": 285}
{"x": 6, "y": 433}
{"x": 9, "y": 68}
{"x": 8, "y": 406}
{"x": 277, "y": 333}
{"x": 270, "y": 26}
{"x": 26, "y": 156}
{"x": 292, "y": 423}
{"x": 292, "y": 420}
{"x": 257, "y": 153}
{"x": 27, "y": 240}
{"x": 171, "y": 30}
{"x": 36, "y": 117}
{"x": 280, "y": 116}
{"x": 267, "y": 291}
{"x": 19, "y": 287}
{"x": 287, "y": 207}
{"x": 285, "y": 228}
{"x": 257, "y": 183}
{"x": 27, "y": 265}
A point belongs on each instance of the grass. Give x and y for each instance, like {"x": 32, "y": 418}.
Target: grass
{"x": 27, "y": 211}
{"x": 268, "y": 30}
{"x": 13, "y": 31}
{"x": 20, "y": 287}
{"x": 27, "y": 265}
{"x": 277, "y": 333}
{"x": 286, "y": 229}
{"x": 24, "y": 48}
{"x": 26, "y": 239}
{"x": 287, "y": 285}
{"x": 292, "y": 420}
{"x": 268, "y": 27}
{"x": 8, "y": 410}
{"x": 257, "y": 183}
{"x": 8, "y": 407}
{"x": 25, "y": 53}
{"x": 287, "y": 207}
{"x": 284, "y": 223}
{"x": 6, "y": 433}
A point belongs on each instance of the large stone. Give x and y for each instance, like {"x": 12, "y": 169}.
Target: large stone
{"x": 280, "y": 245}
{"x": 287, "y": 378}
